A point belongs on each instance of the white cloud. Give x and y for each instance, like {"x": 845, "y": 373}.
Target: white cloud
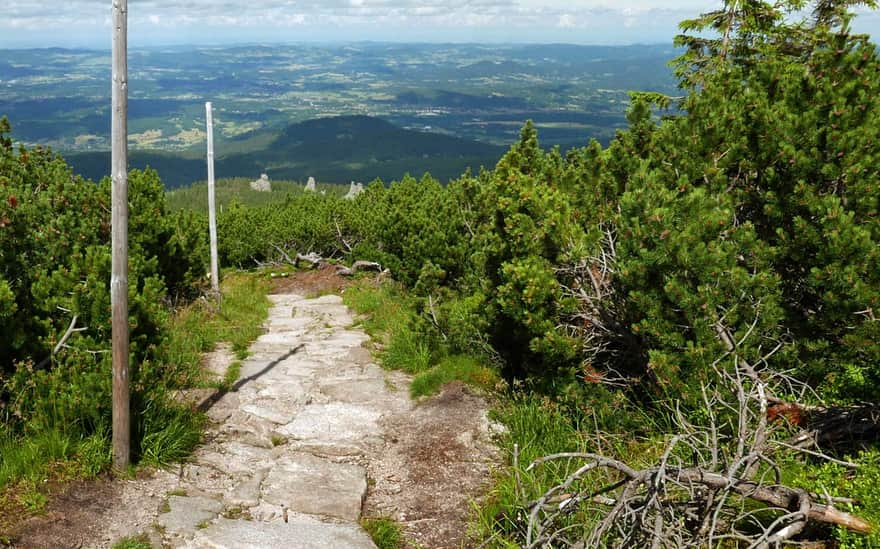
{"x": 566, "y": 21}
{"x": 610, "y": 21}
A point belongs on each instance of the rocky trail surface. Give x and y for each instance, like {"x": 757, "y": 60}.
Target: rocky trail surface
{"x": 312, "y": 437}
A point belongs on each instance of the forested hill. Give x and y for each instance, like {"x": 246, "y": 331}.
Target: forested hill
{"x": 337, "y": 149}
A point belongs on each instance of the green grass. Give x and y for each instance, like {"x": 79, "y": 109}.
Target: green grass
{"x": 232, "y": 374}
{"x": 407, "y": 351}
{"x": 171, "y": 432}
{"x": 27, "y": 463}
{"x": 385, "y": 307}
{"x": 198, "y": 328}
{"x": 537, "y": 427}
{"x": 452, "y": 368}
{"x": 861, "y": 485}
{"x": 386, "y": 533}
{"x": 26, "y": 458}
{"x": 390, "y": 318}
{"x": 137, "y": 542}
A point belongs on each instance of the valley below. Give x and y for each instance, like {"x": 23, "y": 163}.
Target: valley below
{"x": 338, "y": 112}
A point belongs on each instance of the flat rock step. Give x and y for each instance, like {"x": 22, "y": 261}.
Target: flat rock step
{"x": 308, "y": 484}
{"x": 298, "y": 532}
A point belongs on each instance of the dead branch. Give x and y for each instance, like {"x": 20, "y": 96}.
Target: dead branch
{"x": 349, "y": 247}
{"x": 284, "y": 254}
{"x": 62, "y": 343}
{"x": 434, "y": 320}
{"x": 313, "y": 259}
{"x": 596, "y": 322}
{"x": 357, "y": 267}
{"x": 694, "y": 495}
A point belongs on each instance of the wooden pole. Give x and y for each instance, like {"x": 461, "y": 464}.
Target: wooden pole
{"x": 119, "y": 238}
{"x": 212, "y": 214}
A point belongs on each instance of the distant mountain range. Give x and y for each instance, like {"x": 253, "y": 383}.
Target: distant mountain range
{"x": 335, "y": 150}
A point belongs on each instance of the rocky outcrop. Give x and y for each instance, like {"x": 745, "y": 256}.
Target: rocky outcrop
{"x": 262, "y": 184}
{"x": 354, "y": 189}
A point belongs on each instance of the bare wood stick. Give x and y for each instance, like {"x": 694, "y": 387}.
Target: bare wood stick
{"x": 71, "y": 329}
{"x": 212, "y": 213}
{"x": 777, "y": 496}
{"x": 119, "y": 239}
{"x": 826, "y": 457}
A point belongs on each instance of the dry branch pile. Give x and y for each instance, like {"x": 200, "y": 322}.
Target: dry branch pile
{"x": 716, "y": 482}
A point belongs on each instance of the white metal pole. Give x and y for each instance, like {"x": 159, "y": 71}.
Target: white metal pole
{"x": 119, "y": 239}
{"x": 212, "y": 214}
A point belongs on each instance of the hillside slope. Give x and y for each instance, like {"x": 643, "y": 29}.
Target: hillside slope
{"x": 337, "y": 149}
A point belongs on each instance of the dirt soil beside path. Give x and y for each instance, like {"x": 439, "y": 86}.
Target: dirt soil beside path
{"x": 425, "y": 461}
{"x": 322, "y": 280}
{"x": 436, "y": 463}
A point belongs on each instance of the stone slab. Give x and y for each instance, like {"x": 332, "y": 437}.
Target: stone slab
{"x": 247, "y": 492}
{"x": 308, "y": 484}
{"x": 297, "y": 533}
{"x": 361, "y": 390}
{"x": 188, "y": 513}
{"x": 235, "y": 458}
{"x": 335, "y": 423}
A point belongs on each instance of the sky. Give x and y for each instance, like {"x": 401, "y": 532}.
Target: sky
{"x": 86, "y": 23}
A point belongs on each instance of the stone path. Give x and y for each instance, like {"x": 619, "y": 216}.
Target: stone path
{"x": 286, "y": 465}
{"x": 312, "y": 436}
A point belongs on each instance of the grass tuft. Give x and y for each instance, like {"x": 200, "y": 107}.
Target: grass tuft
{"x": 137, "y": 542}
{"x": 386, "y": 533}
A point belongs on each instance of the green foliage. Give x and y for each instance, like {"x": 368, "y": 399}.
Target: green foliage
{"x": 194, "y": 198}
{"x": 792, "y": 139}
{"x": 385, "y": 532}
{"x": 838, "y": 481}
{"x": 524, "y": 226}
{"x": 304, "y": 223}
{"x": 54, "y": 279}
{"x": 413, "y": 229}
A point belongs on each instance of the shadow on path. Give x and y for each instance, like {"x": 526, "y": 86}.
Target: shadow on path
{"x": 210, "y": 402}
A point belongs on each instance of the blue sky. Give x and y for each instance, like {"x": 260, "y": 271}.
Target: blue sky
{"x": 156, "y": 22}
